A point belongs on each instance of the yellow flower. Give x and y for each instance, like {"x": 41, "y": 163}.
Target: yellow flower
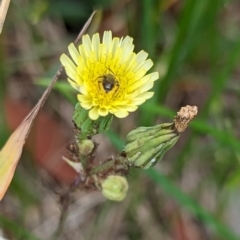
{"x": 110, "y": 77}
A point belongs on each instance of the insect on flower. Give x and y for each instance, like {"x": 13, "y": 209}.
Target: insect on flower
{"x": 108, "y": 82}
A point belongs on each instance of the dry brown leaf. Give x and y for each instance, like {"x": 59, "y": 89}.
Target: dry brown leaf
{"x": 3, "y": 12}
{"x": 11, "y": 152}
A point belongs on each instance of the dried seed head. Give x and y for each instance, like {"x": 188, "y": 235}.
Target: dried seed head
{"x": 184, "y": 116}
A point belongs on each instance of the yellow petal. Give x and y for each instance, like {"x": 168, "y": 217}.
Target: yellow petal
{"x": 84, "y": 101}
{"x": 74, "y": 84}
{"x": 131, "y": 62}
{"x": 141, "y": 57}
{"x": 144, "y": 65}
{"x": 121, "y": 113}
{"x": 107, "y": 40}
{"x": 127, "y": 50}
{"x": 102, "y": 111}
{"x": 147, "y": 64}
{"x": 140, "y": 99}
{"x": 130, "y": 108}
{"x": 148, "y": 85}
{"x": 154, "y": 76}
{"x": 86, "y": 105}
{"x": 83, "y": 53}
{"x": 84, "y": 90}
{"x": 135, "y": 86}
{"x": 96, "y": 45}
{"x": 114, "y": 45}
{"x": 82, "y": 98}
{"x": 93, "y": 113}
{"x": 127, "y": 41}
{"x": 67, "y": 62}
{"x": 140, "y": 73}
{"x": 87, "y": 44}
{"x": 69, "y": 66}
{"x": 145, "y": 81}
{"x": 73, "y": 53}
{"x": 70, "y": 73}
{"x": 146, "y": 95}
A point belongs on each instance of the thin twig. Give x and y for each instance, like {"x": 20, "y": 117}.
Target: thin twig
{"x": 65, "y": 199}
{"x": 44, "y": 97}
{"x": 84, "y": 28}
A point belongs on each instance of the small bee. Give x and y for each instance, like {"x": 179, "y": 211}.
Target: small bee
{"x": 108, "y": 82}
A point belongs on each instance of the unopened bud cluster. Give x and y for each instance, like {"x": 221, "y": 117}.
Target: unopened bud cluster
{"x": 147, "y": 145}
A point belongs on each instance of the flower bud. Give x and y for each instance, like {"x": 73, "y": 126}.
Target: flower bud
{"x": 115, "y": 188}
{"x": 147, "y": 145}
{"x": 85, "y": 147}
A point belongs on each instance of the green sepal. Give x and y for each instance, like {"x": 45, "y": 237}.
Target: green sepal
{"x": 149, "y": 131}
{"x": 87, "y": 126}
{"x": 158, "y": 157}
{"x": 147, "y": 145}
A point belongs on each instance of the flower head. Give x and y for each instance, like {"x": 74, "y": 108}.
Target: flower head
{"x": 109, "y": 76}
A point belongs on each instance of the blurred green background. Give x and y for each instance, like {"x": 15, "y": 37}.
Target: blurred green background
{"x": 194, "y": 192}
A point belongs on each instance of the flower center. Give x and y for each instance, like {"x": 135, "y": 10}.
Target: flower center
{"x": 108, "y": 82}
{"x": 106, "y": 89}
{"x": 106, "y": 85}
